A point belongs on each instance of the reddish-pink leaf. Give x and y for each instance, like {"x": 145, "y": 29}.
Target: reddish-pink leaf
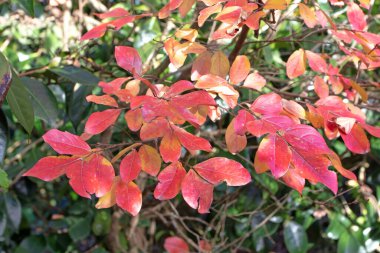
{"x": 175, "y": 244}
{"x": 241, "y": 120}
{"x": 150, "y": 160}
{"x": 197, "y": 193}
{"x": 129, "y": 59}
{"x": 316, "y": 62}
{"x": 239, "y": 69}
{"x": 191, "y": 142}
{"x": 356, "y": 141}
{"x": 66, "y": 143}
{"x": 269, "y": 124}
{"x": 100, "y": 121}
{"x": 219, "y": 169}
{"x": 356, "y": 16}
{"x": 50, "y": 167}
{"x": 372, "y": 130}
{"x": 296, "y": 64}
{"x": 178, "y": 88}
{"x": 267, "y": 104}
{"x": 294, "y": 180}
{"x": 129, "y": 197}
{"x": 172, "y": 5}
{"x": 95, "y": 32}
{"x": 305, "y": 138}
{"x": 170, "y": 180}
{"x": 320, "y": 87}
{"x": 93, "y": 176}
{"x": 255, "y": 81}
{"x": 130, "y": 166}
{"x": 275, "y": 154}
{"x": 114, "y": 13}
{"x": 314, "y": 168}
{"x": 113, "y": 86}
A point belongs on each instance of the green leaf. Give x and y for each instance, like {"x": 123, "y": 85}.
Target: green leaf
{"x": 13, "y": 209}
{"x": 76, "y": 75}
{"x": 3, "y": 137}
{"x": 20, "y": 103}
{"x": 295, "y": 238}
{"x": 348, "y": 243}
{"x": 44, "y": 102}
{"x": 102, "y": 223}
{"x": 81, "y": 229}
{"x": 32, "y": 244}
{"x": 5, "y": 77}
{"x": 77, "y": 105}
{"x": 3, "y": 223}
{"x": 27, "y": 6}
{"x": 4, "y": 180}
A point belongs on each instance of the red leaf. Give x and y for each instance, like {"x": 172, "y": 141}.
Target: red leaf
{"x": 269, "y": 124}
{"x": 372, "y": 130}
{"x": 334, "y": 158}
{"x": 273, "y": 153}
{"x": 294, "y": 180}
{"x": 172, "y": 5}
{"x": 170, "y": 180}
{"x": 305, "y": 138}
{"x": 113, "y": 86}
{"x": 114, "y": 13}
{"x": 66, "y": 143}
{"x": 100, "y": 121}
{"x": 239, "y": 69}
{"x": 296, "y": 64}
{"x": 178, "y": 88}
{"x": 129, "y": 59}
{"x": 356, "y": 16}
{"x": 229, "y": 15}
{"x": 130, "y": 166}
{"x": 191, "y": 142}
{"x": 207, "y": 12}
{"x": 95, "y": 32}
{"x": 129, "y": 197}
{"x": 267, "y": 104}
{"x": 93, "y": 176}
{"x": 50, "y": 167}
{"x": 356, "y": 141}
{"x": 176, "y": 244}
{"x": 197, "y": 193}
{"x": 170, "y": 147}
{"x": 150, "y": 160}
{"x": 219, "y": 169}
{"x": 316, "y": 62}
{"x": 253, "y": 21}
{"x": 201, "y": 65}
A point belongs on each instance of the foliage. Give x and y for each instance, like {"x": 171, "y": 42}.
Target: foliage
{"x": 197, "y": 118}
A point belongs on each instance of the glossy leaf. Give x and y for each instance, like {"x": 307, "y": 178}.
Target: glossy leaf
{"x": 100, "y": 121}
{"x": 66, "y": 143}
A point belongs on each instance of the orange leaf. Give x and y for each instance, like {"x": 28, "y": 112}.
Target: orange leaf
{"x": 239, "y": 69}
{"x": 255, "y": 81}
{"x": 308, "y": 15}
{"x": 220, "y": 66}
{"x": 235, "y": 143}
{"x": 296, "y": 64}
{"x": 170, "y": 147}
{"x": 207, "y": 12}
{"x": 320, "y": 87}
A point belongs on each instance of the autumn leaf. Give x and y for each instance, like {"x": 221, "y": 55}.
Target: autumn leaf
{"x": 175, "y": 244}
{"x": 130, "y": 166}
{"x": 239, "y": 69}
{"x": 66, "y": 143}
{"x": 150, "y": 160}
{"x": 296, "y": 64}
{"x": 100, "y": 121}
{"x": 170, "y": 180}
{"x": 129, "y": 197}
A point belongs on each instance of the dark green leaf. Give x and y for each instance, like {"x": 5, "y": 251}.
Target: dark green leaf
{"x": 3, "y": 223}
{"x": 27, "y": 5}
{"x": 32, "y": 244}
{"x": 20, "y": 103}
{"x": 13, "y": 208}
{"x": 44, "y": 102}
{"x": 81, "y": 229}
{"x": 77, "y": 75}
{"x": 295, "y": 238}
{"x": 3, "y": 137}
{"x": 5, "y": 77}
{"x": 78, "y": 107}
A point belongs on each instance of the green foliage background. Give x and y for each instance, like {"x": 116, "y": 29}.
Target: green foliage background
{"x": 54, "y": 72}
